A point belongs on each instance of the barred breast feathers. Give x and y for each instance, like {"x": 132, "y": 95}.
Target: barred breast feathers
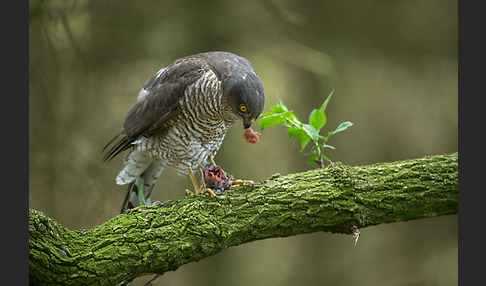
{"x": 204, "y": 96}
{"x": 197, "y": 132}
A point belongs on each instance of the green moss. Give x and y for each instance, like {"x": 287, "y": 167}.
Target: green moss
{"x": 162, "y": 238}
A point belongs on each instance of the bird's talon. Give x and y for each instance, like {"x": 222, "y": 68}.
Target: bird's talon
{"x": 245, "y": 183}
{"x": 212, "y": 194}
{"x": 189, "y": 193}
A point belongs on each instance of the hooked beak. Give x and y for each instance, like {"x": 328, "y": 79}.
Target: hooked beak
{"x": 247, "y": 123}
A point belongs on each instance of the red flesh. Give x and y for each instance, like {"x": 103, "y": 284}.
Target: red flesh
{"x": 251, "y": 136}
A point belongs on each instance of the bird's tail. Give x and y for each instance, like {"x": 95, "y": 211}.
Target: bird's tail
{"x": 133, "y": 197}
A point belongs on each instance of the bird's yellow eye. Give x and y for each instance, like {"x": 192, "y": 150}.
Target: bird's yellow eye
{"x": 243, "y": 107}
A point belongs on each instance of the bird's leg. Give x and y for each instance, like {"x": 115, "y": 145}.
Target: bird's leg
{"x": 199, "y": 188}
{"x": 211, "y": 159}
{"x": 195, "y": 184}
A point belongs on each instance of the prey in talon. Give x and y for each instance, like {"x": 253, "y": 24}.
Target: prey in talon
{"x": 216, "y": 180}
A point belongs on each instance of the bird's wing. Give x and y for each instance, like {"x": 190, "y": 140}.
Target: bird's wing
{"x": 158, "y": 101}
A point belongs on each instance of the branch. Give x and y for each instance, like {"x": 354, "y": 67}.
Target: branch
{"x": 162, "y": 238}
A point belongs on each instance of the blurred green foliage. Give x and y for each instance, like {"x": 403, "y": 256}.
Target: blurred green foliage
{"x": 393, "y": 65}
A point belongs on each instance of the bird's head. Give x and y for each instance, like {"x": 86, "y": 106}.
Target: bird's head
{"x": 245, "y": 96}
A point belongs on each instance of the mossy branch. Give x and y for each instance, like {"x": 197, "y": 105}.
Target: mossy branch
{"x": 162, "y": 238}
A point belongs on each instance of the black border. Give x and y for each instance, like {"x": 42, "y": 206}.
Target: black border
{"x": 472, "y": 77}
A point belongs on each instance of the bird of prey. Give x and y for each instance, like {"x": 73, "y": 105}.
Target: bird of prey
{"x": 181, "y": 117}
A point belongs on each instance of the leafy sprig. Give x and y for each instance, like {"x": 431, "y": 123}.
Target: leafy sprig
{"x": 304, "y": 132}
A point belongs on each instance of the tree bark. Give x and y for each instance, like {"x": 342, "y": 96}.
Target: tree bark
{"x": 338, "y": 199}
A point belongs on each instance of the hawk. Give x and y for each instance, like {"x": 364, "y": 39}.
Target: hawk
{"x": 181, "y": 117}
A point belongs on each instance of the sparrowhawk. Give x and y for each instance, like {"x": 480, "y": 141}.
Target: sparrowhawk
{"x": 181, "y": 117}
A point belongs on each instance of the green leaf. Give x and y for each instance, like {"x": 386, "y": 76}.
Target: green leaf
{"x": 141, "y": 196}
{"x": 293, "y": 131}
{"x": 304, "y": 139}
{"x": 278, "y": 109}
{"x": 317, "y": 119}
{"x": 343, "y": 126}
{"x": 291, "y": 117}
{"x": 312, "y": 114}
{"x": 312, "y": 159}
{"x": 313, "y": 152}
{"x": 271, "y": 119}
{"x": 324, "y": 104}
{"x": 303, "y": 132}
{"x": 312, "y": 131}
{"x": 325, "y": 158}
{"x": 329, "y": 146}
{"x": 280, "y": 103}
